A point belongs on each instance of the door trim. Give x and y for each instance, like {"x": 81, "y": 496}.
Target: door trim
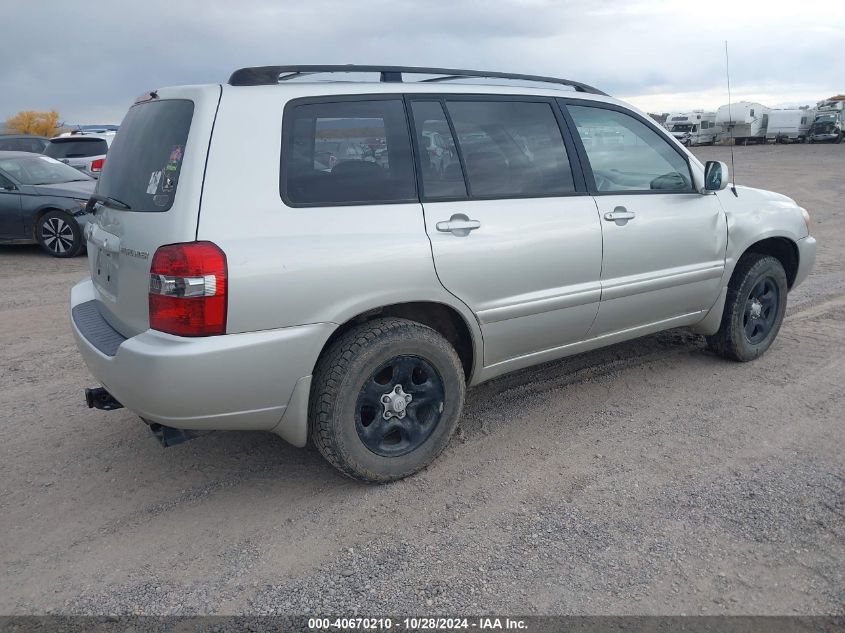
{"x": 589, "y": 293}
{"x": 638, "y": 284}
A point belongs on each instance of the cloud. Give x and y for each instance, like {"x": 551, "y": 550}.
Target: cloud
{"x": 90, "y": 59}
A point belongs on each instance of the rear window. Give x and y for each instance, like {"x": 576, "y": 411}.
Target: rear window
{"x": 145, "y": 159}
{"x": 76, "y": 148}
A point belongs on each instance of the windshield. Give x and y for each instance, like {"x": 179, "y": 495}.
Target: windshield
{"x": 684, "y": 127}
{"x": 146, "y": 157}
{"x": 827, "y": 118}
{"x": 40, "y": 170}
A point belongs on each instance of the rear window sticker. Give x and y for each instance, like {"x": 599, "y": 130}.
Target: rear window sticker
{"x": 155, "y": 177}
{"x": 168, "y": 182}
{"x": 176, "y": 154}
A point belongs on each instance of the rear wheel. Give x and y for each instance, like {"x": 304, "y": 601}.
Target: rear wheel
{"x": 754, "y": 309}
{"x": 59, "y": 234}
{"x": 386, "y": 399}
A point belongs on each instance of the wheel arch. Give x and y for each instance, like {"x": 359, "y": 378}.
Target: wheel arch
{"x": 443, "y": 318}
{"x": 39, "y": 213}
{"x": 783, "y": 249}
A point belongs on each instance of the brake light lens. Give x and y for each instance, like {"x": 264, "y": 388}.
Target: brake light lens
{"x": 97, "y": 165}
{"x": 188, "y": 284}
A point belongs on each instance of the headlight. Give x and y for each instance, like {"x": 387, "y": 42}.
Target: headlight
{"x": 806, "y": 219}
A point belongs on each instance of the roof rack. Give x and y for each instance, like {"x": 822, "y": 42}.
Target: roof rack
{"x": 269, "y": 75}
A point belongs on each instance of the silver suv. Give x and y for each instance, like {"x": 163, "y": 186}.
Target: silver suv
{"x": 353, "y": 301}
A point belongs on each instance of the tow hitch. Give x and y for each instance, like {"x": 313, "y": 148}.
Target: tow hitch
{"x": 99, "y": 398}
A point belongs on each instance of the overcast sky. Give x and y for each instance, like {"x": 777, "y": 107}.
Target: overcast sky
{"x": 89, "y": 59}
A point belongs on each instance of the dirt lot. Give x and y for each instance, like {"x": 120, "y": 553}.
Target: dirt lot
{"x": 651, "y": 477}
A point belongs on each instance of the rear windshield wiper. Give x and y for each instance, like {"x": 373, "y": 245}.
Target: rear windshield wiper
{"x": 112, "y": 202}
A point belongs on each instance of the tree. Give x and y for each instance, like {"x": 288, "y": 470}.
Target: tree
{"x": 30, "y": 122}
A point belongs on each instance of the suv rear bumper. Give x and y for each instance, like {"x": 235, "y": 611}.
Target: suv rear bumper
{"x": 230, "y": 382}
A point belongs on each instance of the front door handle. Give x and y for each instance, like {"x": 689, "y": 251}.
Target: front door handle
{"x": 619, "y": 214}
{"x": 459, "y": 225}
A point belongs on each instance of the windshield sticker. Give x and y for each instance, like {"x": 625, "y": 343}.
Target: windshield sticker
{"x": 168, "y": 183}
{"x": 155, "y": 177}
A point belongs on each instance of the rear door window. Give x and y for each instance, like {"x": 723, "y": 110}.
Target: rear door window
{"x": 511, "y": 148}
{"x": 346, "y": 152}
{"x": 76, "y": 148}
{"x": 145, "y": 159}
{"x": 439, "y": 165}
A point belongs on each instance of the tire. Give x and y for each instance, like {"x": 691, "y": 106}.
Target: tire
{"x": 754, "y": 309}
{"x": 58, "y": 234}
{"x": 348, "y": 410}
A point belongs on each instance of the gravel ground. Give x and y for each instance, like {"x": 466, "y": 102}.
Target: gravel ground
{"x": 647, "y": 478}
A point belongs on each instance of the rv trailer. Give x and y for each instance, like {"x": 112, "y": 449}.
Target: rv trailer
{"x": 693, "y": 128}
{"x": 744, "y": 121}
{"x": 789, "y": 126}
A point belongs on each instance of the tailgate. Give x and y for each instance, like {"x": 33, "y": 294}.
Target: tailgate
{"x": 148, "y": 195}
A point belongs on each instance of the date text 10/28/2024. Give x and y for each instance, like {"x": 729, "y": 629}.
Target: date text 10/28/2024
{"x": 417, "y": 624}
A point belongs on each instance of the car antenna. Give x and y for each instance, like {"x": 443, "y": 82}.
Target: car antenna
{"x": 730, "y": 120}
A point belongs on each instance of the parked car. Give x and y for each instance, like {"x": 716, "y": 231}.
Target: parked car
{"x": 354, "y": 304}
{"x": 85, "y": 152}
{"x": 43, "y": 201}
{"x": 23, "y": 143}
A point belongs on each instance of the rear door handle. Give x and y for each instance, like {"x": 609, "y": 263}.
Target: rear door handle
{"x": 459, "y": 225}
{"x": 619, "y": 213}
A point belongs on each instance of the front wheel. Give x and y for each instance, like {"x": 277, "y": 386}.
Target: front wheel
{"x": 59, "y": 234}
{"x": 386, "y": 399}
{"x": 754, "y": 309}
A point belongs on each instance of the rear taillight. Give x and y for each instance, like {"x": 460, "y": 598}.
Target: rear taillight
{"x": 97, "y": 165}
{"x": 188, "y": 289}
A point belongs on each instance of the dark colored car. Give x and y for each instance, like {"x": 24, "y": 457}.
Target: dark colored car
{"x": 23, "y": 143}
{"x": 43, "y": 200}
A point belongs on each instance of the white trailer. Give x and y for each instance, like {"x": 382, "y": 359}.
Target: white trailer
{"x": 787, "y": 126}
{"x": 693, "y": 128}
{"x": 744, "y": 121}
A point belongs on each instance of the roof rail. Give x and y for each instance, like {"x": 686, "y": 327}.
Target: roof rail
{"x": 269, "y": 75}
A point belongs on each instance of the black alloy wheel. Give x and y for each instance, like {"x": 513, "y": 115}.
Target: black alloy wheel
{"x": 399, "y": 406}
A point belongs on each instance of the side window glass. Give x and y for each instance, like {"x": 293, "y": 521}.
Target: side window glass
{"x": 348, "y": 152}
{"x": 511, "y": 148}
{"x": 627, "y": 155}
{"x": 439, "y": 164}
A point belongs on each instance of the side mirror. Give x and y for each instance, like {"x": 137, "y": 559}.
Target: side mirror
{"x": 715, "y": 175}
{"x": 7, "y": 186}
